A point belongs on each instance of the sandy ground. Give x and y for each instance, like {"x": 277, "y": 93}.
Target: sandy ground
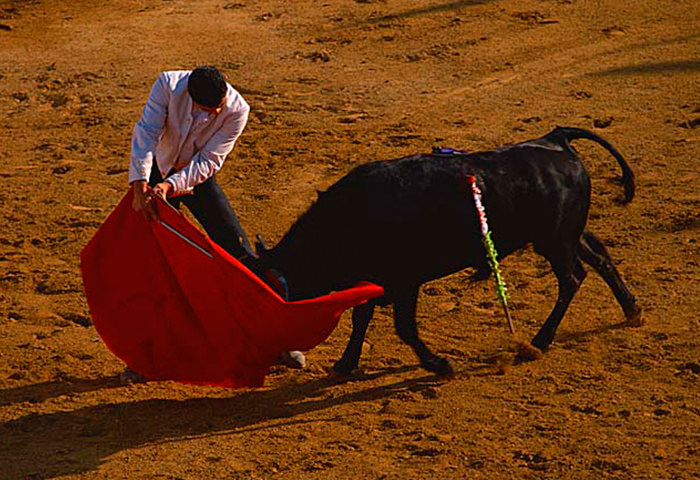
{"x": 334, "y": 84}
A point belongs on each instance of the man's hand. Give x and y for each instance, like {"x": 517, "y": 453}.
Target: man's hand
{"x": 162, "y": 189}
{"x": 142, "y": 200}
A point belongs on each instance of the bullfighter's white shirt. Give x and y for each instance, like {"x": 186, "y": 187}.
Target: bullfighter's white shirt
{"x": 168, "y": 130}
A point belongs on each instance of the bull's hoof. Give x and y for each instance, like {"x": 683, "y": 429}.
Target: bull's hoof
{"x": 541, "y": 343}
{"x": 527, "y": 353}
{"x": 342, "y": 369}
{"x": 439, "y": 366}
{"x": 634, "y": 318}
{"x": 342, "y": 376}
{"x": 336, "y": 375}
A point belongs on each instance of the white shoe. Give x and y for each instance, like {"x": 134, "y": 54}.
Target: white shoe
{"x": 292, "y": 359}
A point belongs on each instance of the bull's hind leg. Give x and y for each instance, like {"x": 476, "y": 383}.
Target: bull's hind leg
{"x": 570, "y": 274}
{"x": 361, "y": 315}
{"x": 405, "y": 322}
{"x": 593, "y": 252}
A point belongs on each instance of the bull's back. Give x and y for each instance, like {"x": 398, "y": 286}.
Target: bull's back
{"x": 413, "y": 219}
{"x": 402, "y": 221}
{"x": 533, "y": 194}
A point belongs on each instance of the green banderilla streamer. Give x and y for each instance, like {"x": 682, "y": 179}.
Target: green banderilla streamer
{"x": 491, "y": 254}
{"x": 501, "y": 289}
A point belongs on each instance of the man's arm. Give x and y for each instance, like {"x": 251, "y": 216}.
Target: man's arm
{"x": 211, "y": 157}
{"x": 144, "y": 140}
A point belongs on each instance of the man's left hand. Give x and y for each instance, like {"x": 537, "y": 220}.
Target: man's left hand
{"x": 162, "y": 189}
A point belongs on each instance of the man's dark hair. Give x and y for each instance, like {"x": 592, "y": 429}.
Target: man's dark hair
{"x": 207, "y": 86}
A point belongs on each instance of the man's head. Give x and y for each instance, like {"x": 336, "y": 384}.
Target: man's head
{"x": 207, "y": 87}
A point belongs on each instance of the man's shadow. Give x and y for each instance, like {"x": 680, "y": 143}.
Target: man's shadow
{"x": 40, "y": 392}
{"x": 42, "y": 446}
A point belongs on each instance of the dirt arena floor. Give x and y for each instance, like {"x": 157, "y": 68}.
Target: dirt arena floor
{"x": 334, "y": 84}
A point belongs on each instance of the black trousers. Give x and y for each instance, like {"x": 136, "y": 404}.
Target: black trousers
{"x": 211, "y": 208}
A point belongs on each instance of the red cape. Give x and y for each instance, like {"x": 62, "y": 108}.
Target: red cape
{"x": 173, "y": 305}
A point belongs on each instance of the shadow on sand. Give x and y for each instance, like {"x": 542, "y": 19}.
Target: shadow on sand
{"x": 416, "y": 12}
{"x": 40, "y": 392}
{"x": 586, "y": 335}
{"x": 42, "y": 446}
{"x": 684, "y": 66}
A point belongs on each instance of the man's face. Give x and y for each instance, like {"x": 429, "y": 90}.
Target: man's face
{"x": 213, "y": 110}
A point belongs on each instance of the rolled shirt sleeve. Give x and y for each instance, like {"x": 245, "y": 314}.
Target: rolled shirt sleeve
{"x": 211, "y": 156}
{"x": 148, "y": 130}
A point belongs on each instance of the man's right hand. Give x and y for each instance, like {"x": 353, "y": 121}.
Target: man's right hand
{"x": 142, "y": 200}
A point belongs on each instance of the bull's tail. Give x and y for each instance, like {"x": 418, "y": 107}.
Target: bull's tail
{"x": 563, "y": 135}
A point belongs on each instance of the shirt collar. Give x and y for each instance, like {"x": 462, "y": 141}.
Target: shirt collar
{"x": 199, "y": 113}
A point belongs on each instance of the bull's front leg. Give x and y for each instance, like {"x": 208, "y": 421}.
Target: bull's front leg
{"x": 405, "y": 322}
{"x": 361, "y": 316}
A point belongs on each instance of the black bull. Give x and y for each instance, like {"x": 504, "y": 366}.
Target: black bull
{"x": 403, "y": 222}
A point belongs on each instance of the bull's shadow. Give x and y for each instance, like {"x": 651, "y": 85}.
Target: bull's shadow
{"x": 42, "y": 446}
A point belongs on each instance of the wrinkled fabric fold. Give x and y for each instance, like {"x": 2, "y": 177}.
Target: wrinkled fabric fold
{"x": 173, "y": 305}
